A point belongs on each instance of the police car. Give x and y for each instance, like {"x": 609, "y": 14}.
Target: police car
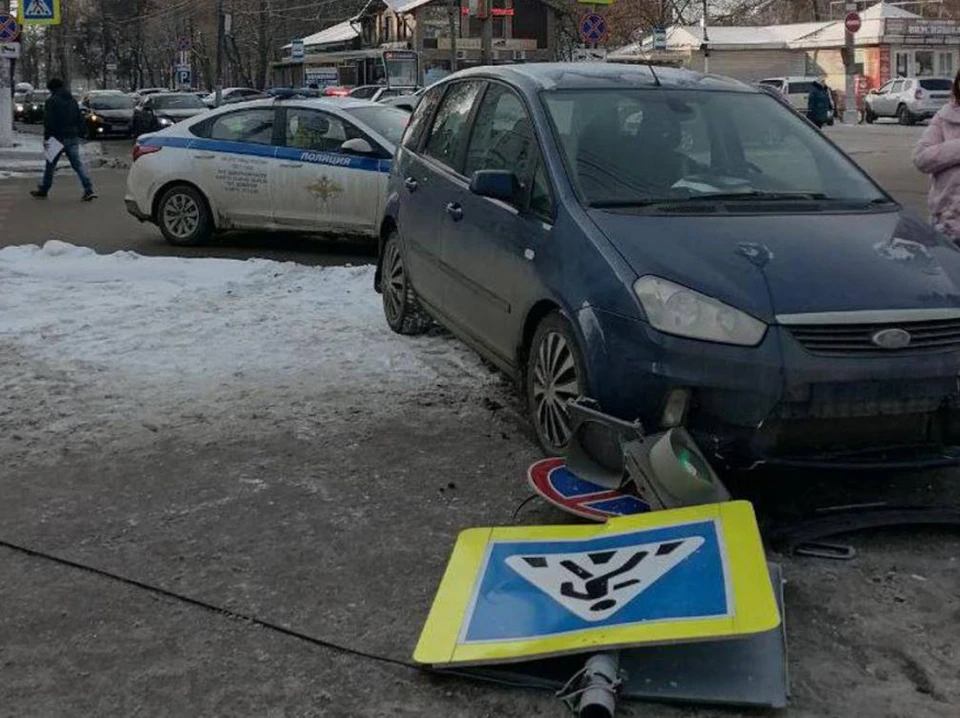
{"x": 310, "y": 165}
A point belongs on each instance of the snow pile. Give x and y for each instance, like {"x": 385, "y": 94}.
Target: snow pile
{"x": 132, "y": 338}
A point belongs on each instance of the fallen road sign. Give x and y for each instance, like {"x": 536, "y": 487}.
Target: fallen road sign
{"x": 522, "y": 593}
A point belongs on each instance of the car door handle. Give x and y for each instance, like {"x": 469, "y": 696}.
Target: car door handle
{"x": 291, "y": 164}
{"x": 411, "y": 184}
{"x": 203, "y": 157}
{"x": 455, "y": 211}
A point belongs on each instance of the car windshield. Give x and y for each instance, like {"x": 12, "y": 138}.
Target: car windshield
{"x": 40, "y": 96}
{"x": 936, "y": 85}
{"x": 643, "y": 146}
{"x": 178, "y": 102}
{"x": 111, "y": 102}
{"x": 388, "y": 122}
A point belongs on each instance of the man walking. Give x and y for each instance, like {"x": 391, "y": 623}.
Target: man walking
{"x": 818, "y": 104}
{"x": 61, "y": 122}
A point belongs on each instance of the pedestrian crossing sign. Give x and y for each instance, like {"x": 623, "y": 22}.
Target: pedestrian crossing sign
{"x": 39, "y": 12}
{"x": 523, "y": 593}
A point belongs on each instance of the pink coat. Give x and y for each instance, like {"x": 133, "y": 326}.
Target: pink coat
{"x": 938, "y": 154}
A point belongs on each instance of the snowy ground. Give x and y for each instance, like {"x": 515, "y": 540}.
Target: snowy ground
{"x": 143, "y": 342}
{"x": 26, "y": 155}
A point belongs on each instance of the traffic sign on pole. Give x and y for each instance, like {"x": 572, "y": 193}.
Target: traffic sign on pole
{"x": 659, "y": 38}
{"x": 593, "y": 27}
{"x": 40, "y": 12}
{"x": 9, "y": 28}
{"x": 296, "y": 51}
{"x": 853, "y": 22}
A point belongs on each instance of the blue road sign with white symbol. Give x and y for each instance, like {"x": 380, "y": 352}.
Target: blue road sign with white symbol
{"x": 40, "y": 10}
{"x": 593, "y": 27}
{"x": 184, "y": 76}
{"x": 9, "y": 28}
{"x": 531, "y": 589}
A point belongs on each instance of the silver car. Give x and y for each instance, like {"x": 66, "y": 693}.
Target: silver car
{"x": 909, "y": 99}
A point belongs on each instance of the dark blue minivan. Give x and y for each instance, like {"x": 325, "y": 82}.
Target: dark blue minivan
{"x": 682, "y": 249}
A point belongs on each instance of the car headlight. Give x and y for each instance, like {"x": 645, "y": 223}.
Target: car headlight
{"x": 674, "y": 309}
{"x": 36, "y": 107}
{"x": 164, "y": 121}
{"x": 95, "y": 118}
{"x": 19, "y": 108}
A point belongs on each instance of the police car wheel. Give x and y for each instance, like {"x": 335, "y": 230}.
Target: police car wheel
{"x": 183, "y": 217}
{"x": 555, "y": 375}
{"x": 400, "y": 304}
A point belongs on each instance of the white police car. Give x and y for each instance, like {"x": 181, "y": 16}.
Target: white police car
{"x": 311, "y": 165}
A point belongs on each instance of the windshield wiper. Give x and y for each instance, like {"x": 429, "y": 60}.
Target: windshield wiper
{"x": 754, "y": 195}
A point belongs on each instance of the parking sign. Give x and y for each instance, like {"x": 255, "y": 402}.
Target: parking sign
{"x": 296, "y": 50}
{"x": 663, "y": 577}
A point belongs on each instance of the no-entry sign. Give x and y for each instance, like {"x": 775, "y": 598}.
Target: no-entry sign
{"x": 852, "y": 22}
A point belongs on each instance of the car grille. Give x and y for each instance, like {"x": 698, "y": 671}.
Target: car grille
{"x": 942, "y": 335}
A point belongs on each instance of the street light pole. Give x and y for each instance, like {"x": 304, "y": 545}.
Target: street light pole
{"x": 221, "y": 47}
{"x": 706, "y": 40}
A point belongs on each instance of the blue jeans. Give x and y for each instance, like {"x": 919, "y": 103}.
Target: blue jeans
{"x": 71, "y": 148}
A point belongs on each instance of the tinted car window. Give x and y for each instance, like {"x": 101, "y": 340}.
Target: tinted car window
{"x": 420, "y": 117}
{"x": 801, "y": 88}
{"x": 254, "y": 126}
{"x": 450, "y": 122}
{"x": 639, "y": 146}
{"x": 317, "y": 131}
{"x": 935, "y": 85}
{"x": 541, "y": 201}
{"x": 364, "y": 93}
{"x": 388, "y": 122}
{"x": 502, "y": 137}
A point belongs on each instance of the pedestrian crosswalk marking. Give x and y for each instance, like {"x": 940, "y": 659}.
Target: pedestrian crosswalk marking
{"x": 594, "y": 585}
{"x": 38, "y": 8}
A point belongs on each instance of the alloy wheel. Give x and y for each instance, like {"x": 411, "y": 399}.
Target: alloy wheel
{"x": 181, "y": 216}
{"x": 395, "y": 284}
{"x": 555, "y": 382}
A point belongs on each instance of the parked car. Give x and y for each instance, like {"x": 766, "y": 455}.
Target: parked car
{"x": 909, "y": 99}
{"x": 336, "y": 91}
{"x": 307, "y": 165}
{"x": 795, "y": 89}
{"x": 407, "y": 103}
{"x": 107, "y": 113}
{"x": 20, "y": 100}
{"x": 230, "y": 95}
{"x": 379, "y": 93}
{"x": 33, "y": 106}
{"x": 161, "y": 110}
{"x": 597, "y": 230}
{"x": 143, "y": 92}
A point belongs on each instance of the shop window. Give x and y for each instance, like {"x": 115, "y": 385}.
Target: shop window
{"x": 902, "y": 64}
{"x": 945, "y": 64}
{"x": 924, "y": 63}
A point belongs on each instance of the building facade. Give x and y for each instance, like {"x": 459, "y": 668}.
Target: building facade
{"x": 892, "y": 42}
{"x": 446, "y": 35}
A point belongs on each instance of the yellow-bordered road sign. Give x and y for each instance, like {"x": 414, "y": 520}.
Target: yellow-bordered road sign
{"x": 519, "y": 593}
{"x": 39, "y": 12}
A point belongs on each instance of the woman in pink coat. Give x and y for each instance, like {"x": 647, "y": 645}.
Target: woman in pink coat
{"x": 938, "y": 154}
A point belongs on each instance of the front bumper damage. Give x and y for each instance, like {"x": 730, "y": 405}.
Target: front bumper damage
{"x": 777, "y": 404}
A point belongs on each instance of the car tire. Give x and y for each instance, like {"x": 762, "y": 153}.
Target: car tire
{"x": 869, "y": 117}
{"x": 555, "y": 374}
{"x": 401, "y": 307}
{"x": 903, "y": 116}
{"x": 183, "y": 216}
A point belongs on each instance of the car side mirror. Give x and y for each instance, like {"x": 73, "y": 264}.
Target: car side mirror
{"x": 357, "y": 146}
{"x": 496, "y": 184}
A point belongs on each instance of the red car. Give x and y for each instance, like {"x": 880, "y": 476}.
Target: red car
{"x": 336, "y": 91}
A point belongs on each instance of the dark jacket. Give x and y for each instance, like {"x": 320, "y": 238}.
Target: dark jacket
{"x": 818, "y": 104}
{"x": 61, "y": 117}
